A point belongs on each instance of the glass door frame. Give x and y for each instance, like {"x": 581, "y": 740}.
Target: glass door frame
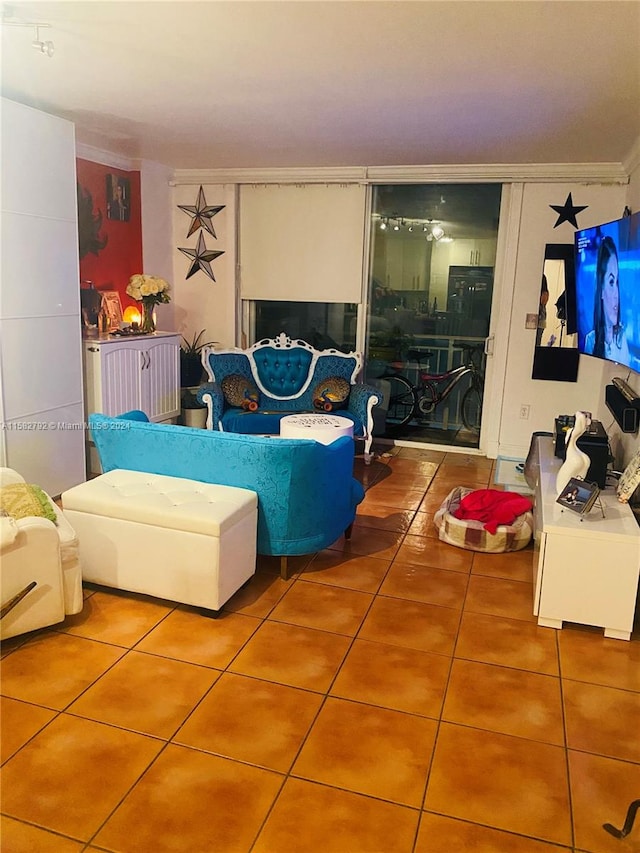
{"x": 499, "y": 322}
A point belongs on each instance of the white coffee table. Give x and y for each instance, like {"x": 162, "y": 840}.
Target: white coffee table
{"x": 319, "y": 427}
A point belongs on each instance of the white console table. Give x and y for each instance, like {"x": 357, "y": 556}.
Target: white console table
{"x": 585, "y": 567}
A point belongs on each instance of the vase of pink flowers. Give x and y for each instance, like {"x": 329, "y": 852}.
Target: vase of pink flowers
{"x": 149, "y": 291}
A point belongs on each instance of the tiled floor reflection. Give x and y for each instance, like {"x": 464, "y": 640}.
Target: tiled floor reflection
{"x": 395, "y": 696}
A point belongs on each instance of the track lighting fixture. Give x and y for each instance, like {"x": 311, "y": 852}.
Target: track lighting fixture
{"x": 44, "y": 47}
{"x": 431, "y": 230}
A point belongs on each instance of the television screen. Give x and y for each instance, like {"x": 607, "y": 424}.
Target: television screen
{"x": 608, "y": 291}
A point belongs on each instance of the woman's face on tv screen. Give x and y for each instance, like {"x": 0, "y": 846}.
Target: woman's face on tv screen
{"x": 610, "y": 293}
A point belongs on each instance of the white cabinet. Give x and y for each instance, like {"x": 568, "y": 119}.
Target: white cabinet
{"x": 133, "y": 373}
{"x": 407, "y": 258}
{"x": 585, "y": 568}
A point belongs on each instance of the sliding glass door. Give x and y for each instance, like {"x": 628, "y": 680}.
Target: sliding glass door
{"x": 431, "y": 266}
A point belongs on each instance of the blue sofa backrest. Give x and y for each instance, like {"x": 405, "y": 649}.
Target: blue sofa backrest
{"x": 283, "y": 369}
{"x": 307, "y": 495}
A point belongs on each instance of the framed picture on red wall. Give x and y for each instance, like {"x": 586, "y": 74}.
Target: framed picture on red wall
{"x": 118, "y": 198}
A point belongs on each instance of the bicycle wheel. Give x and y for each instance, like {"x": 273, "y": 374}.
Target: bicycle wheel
{"x": 471, "y": 409}
{"x": 402, "y": 400}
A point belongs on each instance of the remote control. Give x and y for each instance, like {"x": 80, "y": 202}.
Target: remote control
{"x": 625, "y": 389}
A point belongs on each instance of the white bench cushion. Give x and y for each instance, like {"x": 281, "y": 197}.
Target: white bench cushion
{"x": 171, "y": 502}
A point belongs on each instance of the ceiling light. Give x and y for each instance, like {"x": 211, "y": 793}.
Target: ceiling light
{"x": 437, "y": 232}
{"x": 383, "y": 225}
{"x": 45, "y": 47}
{"x": 396, "y": 227}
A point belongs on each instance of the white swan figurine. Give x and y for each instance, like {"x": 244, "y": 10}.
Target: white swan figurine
{"x": 576, "y": 462}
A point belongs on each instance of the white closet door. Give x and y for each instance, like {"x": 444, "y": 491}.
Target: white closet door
{"x": 41, "y": 405}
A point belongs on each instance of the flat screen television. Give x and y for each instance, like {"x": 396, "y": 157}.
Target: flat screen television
{"x": 608, "y": 291}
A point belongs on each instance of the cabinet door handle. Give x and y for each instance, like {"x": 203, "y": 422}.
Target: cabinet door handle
{"x": 488, "y": 345}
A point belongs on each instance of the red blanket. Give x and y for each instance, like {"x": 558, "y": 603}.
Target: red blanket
{"x": 493, "y": 507}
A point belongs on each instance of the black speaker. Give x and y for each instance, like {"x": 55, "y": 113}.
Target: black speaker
{"x": 626, "y": 414}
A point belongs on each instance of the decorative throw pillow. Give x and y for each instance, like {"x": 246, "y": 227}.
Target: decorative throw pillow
{"x": 240, "y": 392}
{"x": 23, "y": 500}
{"x": 331, "y": 393}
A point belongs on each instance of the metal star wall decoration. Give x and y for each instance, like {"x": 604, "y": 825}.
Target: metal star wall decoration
{"x": 567, "y": 211}
{"x": 202, "y": 258}
{"x": 201, "y": 214}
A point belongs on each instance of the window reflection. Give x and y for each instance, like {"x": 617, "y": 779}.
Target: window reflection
{"x": 322, "y": 324}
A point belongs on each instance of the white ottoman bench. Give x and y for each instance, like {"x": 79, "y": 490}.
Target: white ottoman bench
{"x": 169, "y": 537}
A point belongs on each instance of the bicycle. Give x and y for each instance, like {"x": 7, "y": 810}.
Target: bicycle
{"x": 407, "y": 400}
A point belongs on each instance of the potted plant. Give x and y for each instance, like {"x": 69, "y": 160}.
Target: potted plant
{"x": 191, "y": 368}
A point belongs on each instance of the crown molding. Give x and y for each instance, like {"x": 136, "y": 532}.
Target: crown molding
{"x": 106, "y": 158}
{"x": 598, "y": 173}
{"x": 605, "y": 173}
{"x": 315, "y": 175}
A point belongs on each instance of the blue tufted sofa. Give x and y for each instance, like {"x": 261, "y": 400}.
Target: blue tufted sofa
{"x": 285, "y": 373}
{"x": 307, "y": 494}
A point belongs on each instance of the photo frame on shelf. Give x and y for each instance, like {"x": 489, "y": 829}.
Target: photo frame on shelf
{"x": 113, "y": 308}
{"x": 578, "y": 496}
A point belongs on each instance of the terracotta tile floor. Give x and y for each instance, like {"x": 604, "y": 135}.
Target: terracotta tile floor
{"x": 395, "y": 696}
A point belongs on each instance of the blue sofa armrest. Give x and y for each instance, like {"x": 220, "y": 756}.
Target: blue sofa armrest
{"x": 211, "y": 395}
{"x": 362, "y": 399}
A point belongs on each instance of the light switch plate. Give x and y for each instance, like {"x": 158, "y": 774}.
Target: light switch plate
{"x": 531, "y": 321}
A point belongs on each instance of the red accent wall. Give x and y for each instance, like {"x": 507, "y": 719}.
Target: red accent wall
{"x": 121, "y": 258}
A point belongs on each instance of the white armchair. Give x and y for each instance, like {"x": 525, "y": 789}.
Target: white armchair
{"x": 36, "y": 550}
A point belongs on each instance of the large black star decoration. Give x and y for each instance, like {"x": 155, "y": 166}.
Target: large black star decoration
{"x": 567, "y": 211}
{"x": 202, "y": 258}
{"x": 201, "y": 214}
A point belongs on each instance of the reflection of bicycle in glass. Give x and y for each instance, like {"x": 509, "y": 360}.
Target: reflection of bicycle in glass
{"x": 407, "y": 401}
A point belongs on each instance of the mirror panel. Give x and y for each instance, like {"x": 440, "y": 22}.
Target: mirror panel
{"x": 556, "y": 353}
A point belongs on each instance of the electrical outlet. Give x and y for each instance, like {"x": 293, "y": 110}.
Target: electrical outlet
{"x": 525, "y": 408}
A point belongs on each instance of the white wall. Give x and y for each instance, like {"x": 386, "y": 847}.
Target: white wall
{"x": 547, "y": 398}
{"x": 157, "y": 254}
{"x": 199, "y": 302}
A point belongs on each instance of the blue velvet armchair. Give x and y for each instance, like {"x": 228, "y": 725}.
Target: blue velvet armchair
{"x": 285, "y": 374}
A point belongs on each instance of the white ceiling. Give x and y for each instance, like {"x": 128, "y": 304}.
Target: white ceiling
{"x": 210, "y": 84}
